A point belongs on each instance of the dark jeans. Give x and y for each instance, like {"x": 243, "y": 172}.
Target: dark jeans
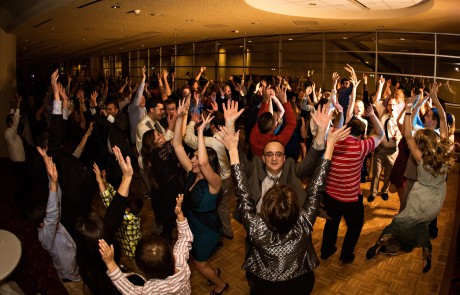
{"x": 354, "y": 218}
{"x": 300, "y": 285}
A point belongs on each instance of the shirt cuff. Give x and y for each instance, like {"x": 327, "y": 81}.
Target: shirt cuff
{"x": 111, "y": 119}
{"x": 93, "y": 111}
{"x": 57, "y": 107}
{"x": 65, "y": 114}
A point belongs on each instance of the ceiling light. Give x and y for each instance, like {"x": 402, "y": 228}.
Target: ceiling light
{"x": 381, "y": 27}
{"x": 235, "y": 31}
{"x": 402, "y": 39}
{"x": 344, "y": 38}
{"x": 312, "y": 4}
{"x": 290, "y": 39}
{"x": 52, "y": 28}
{"x": 249, "y": 41}
{"x": 456, "y": 69}
{"x": 189, "y": 20}
{"x": 116, "y": 6}
{"x": 241, "y": 46}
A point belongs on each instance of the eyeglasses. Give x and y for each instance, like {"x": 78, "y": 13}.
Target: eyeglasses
{"x": 271, "y": 154}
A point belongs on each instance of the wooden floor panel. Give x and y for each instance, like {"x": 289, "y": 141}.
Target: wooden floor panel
{"x": 400, "y": 274}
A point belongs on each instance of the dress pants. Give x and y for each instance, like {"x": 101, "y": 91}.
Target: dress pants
{"x": 300, "y": 285}
{"x": 353, "y": 212}
{"x": 384, "y": 158}
{"x": 223, "y": 208}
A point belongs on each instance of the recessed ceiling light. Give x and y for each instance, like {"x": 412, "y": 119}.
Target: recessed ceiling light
{"x": 312, "y": 4}
{"x": 344, "y": 38}
{"x": 52, "y": 28}
{"x": 402, "y": 39}
{"x": 290, "y": 39}
{"x": 189, "y": 20}
{"x": 250, "y": 41}
{"x": 116, "y": 6}
{"x": 305, "y": 29}
{"x": 381, "y": 27}
{"x": 455, "y": 68}
{"x": 235, "y": 31}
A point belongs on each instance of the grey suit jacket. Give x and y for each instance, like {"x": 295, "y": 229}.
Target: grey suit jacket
{"x": 292, "y": 173}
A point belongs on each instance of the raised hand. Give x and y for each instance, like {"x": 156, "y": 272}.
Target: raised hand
{"x": 214, "y": 105}
{"x": 350, "y": 69}
{"x": 381, "y": 81}
{"x": 55, "y": 84}
{"x": 228, "y": 138}
{"x": 93, "y": 102}
{"x": 369, "y": 111}
{"x": 183, "y": 106}
{"x": 125, "y": 166}
{"x": 206, "y": 121}
{"x": 195, "y": 117}
{"x": 338, "y": 135}
{"x": 107, "y": 253}
{"x": 322, "y": 118}
{"x": 97, "y": 172}
{"x": 231, "y": 112}
{"x": 179, "y": 200}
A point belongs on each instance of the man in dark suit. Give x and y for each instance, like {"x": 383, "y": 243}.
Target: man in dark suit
{"x": 115, "y": 123}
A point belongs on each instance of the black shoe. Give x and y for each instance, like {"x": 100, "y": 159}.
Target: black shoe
{"x": 372, "y": 251}
{"x": 427, "y": 261}
{"x": 371, "y": 198}
{"x": 224, "y": 290}
{"x": 385, "y": 196}
{"x": 327, "y": 255}
{"x": 347, "y": 260}
{"x": 386, "y": 251}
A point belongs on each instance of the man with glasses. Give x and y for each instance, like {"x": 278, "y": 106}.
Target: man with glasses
{"x": 273, "y": 167}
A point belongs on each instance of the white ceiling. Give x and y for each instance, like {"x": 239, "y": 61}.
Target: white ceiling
{"x": 59, "y": 29}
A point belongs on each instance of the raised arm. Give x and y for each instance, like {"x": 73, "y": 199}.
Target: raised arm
{"x": 414, "y": 150}
{"x": 177, "y": 138}
{"x": 81, "y": 146}
{"x": 378, "y": 129}
{"x": 198, "y": 76}
{"x": 351, "y": 104}
{"x": 53, "y": 209}
{"x": 377, "y": 102}
{"x": 140, "y": 89}
{"x": 165, "y": 83}
{"x": 213, "y": 178}
{"x": 442, "y": 114}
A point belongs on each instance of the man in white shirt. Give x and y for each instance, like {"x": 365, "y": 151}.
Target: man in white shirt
{"x": 155, "y": 111}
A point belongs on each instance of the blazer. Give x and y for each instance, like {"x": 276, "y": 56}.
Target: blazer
{"x": 292, "y": 172}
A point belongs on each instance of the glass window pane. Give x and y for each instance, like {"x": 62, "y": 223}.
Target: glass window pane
{"x": 406, "y": 64}
{"x": 262, "y": 52}
{"x": 350, "y": 42}
{"x": 406, "y": 42}
{"x": 448, "y": 68}
{"x": 448, "y": 45}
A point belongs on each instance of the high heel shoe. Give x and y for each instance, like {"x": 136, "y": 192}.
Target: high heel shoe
{"x": 211, "y": 283}
{"x": 427, "y": 261}
{"x": 222, "y": 291}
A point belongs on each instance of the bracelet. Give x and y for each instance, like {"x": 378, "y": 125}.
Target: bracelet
{"x": 407, "y": 113}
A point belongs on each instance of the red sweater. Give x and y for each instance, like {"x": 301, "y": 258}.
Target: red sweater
{"x": 259, "y": 140}
{"x": 344, "y": 178}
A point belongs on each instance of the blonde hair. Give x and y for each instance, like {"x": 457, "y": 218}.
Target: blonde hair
{"x": 438, "y": 154}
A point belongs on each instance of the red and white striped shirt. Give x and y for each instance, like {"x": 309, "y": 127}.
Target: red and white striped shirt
{"x": 343, "y": 181}
{"x": 179, "y": 283}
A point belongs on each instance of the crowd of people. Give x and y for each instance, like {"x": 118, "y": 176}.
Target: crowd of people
{"x": 129, "y": 142}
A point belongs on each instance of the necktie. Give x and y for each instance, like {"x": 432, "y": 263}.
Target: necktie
{"x": 158, "y": 128}
{"x": 385, "y": 126}
{"x": 275, "y": 179}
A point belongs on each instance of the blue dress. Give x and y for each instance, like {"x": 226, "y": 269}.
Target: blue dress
{"x": 200, "y": 208}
